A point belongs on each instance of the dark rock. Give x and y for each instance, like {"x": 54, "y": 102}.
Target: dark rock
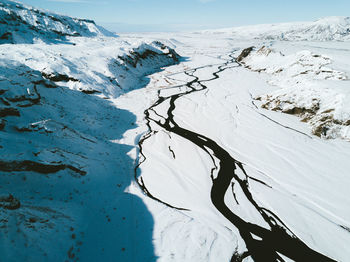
{"x": 6, "y": 36}
{"x": 55, "y": 77}
{"x": 45, "y": 83}
{"x": 9, "y": 111}
{"x": 10, "y": 203}
{"x": 245, "y": 53}
{"x": 4, "y": 101}
{"x": 136, "y": 56}
{"x": 90, "y": 92}
{"x": 28, "y": 165}
{"x": 23, "y": 129}
{"x": 302, "y": 110}
{"x": 32, "y": 101}
{"x": 2, "y": 124}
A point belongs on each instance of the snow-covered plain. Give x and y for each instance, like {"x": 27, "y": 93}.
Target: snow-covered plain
{"x": 308, "y": 175}
{"x": 96, "y": 163}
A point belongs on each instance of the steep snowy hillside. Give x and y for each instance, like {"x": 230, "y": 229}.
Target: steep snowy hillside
{"x": 24, "y": 24}
{"x": 63, "y": 172}
{"x": 325, "y": 29}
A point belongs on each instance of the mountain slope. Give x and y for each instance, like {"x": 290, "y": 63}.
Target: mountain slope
{"x": 309, "y": 88}
{"x": 24, "y": 24}
{"x": 325, "y": 29}
{"x": 115, "y": 149}
{"x": 65, "y": 171}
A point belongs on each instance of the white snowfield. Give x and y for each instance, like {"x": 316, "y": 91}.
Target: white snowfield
{"x": 326, "y": 29}
{"x": 118, "y": 149}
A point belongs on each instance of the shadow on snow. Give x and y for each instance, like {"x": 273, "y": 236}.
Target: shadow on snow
{"x": 64, "y": 216}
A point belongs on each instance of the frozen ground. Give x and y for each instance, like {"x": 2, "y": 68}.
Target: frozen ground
{"x": 300, "y": 169}
{"x": 117, "y": 149}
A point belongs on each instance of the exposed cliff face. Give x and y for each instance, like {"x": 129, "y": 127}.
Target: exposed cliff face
{"x": 24, "y": 24}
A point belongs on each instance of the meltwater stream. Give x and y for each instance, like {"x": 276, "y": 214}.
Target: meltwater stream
{"x": 263, "y": 245}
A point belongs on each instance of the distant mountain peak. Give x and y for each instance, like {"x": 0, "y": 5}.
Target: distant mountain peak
{"x": 333, "y": 28}
{"x": 334, "y": 19}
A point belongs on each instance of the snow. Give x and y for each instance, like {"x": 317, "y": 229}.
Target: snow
{"x": 72, "y": 115}
{"x": 309, "y": 87}
{"x": 60, "y": 156}
{"x": 326, "y": 29}
{"x": 25, "y": 24}
{"x": 302, "y": 169}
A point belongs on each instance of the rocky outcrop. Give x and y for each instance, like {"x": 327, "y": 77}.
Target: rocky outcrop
{"x": 9, "y": 203}
{"x": 244, "y": 54}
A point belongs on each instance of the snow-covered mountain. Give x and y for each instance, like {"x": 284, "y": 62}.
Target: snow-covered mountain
{"x": 24, "y": 24}
{"x": 325, "y": 29}
{"x": 59, "y": 133}
{"x": 168, "y": 147}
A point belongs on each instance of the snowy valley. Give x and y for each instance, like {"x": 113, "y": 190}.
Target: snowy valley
{"x": 216, "y": 145}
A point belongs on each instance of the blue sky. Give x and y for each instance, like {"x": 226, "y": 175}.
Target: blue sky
{"x": 174, "y": 15}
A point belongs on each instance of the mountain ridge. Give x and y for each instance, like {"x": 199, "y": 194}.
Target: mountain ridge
{"x": 333, "y": 28}
{"x": 22, "y": 24}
